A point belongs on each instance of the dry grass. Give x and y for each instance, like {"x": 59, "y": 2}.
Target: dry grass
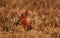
{"x": 44, "y": 16}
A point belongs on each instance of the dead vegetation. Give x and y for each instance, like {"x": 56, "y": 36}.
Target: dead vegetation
{"x": 44, "y": 17}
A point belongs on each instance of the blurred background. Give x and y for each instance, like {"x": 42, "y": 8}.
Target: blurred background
{"x": 43, "y": 15}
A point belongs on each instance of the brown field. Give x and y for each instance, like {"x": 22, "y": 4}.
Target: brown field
{"x": 44, "y": 17}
